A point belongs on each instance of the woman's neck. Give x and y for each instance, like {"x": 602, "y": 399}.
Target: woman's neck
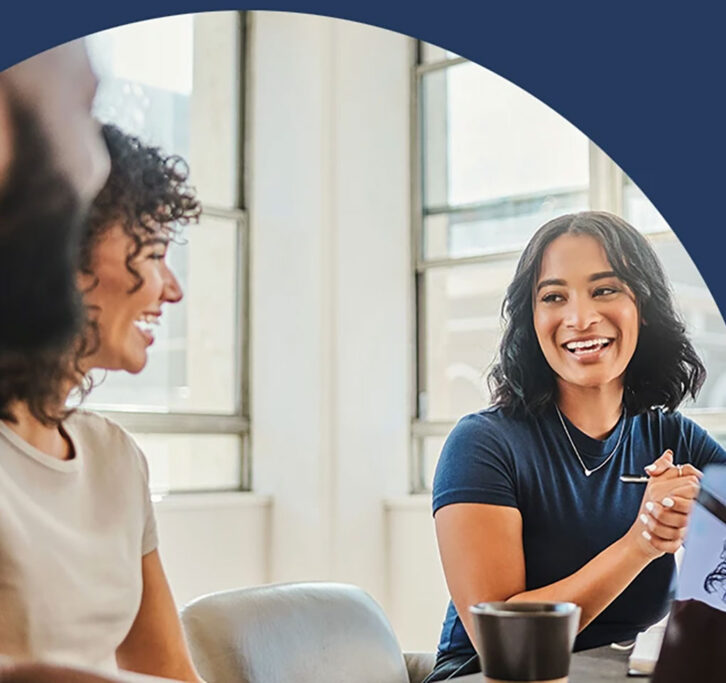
{"x": 593, "y": 410}
{"x": 50, "y": 440}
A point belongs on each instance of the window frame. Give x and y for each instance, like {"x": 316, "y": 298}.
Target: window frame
{"x": 237, "y": 423}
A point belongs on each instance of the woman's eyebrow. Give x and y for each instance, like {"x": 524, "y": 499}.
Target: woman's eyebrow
{"x": 561, "y": 283}
{"x": 156, "y": 240}
{"x": 553, "y": 281}
{"x": 602, "y": 275}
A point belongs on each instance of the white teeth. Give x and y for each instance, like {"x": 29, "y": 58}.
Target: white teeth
{"x": 146, "y": 322}
{"x": 588, "y": 344}
{"x": 142, "y": 325}
{"x": 148, "y": 319}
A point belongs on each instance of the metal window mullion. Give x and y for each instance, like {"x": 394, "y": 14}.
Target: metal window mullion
{"x": 178, "y": 423}
{"x": 223, "y": 213}
{"x": 429, "y": 67}
{"x": 242, "y": 407}
{"x": 448, "y": 262}
{"x": 416, "y": 303}
{"x": 243, "y": 254}
{"x": 490, "y": 205}
{"x": 606, "y": 181}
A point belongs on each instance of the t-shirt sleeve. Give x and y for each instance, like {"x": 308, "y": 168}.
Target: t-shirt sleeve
{"x": 701, "y": 448}
{"x": 150, "y": 537}
{"x": 475, "y": 466}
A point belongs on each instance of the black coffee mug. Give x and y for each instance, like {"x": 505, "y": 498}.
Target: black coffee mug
{"x": 525, "y": 641}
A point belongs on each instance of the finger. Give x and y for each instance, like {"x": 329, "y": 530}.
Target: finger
{"x": 657, "y": 467}
{"x": 665, "y": 533}
{"x": 665, "y": 485}
{"x": 674, "y": 471}
{"x": 674, "y": 504}
{"x": 689, "y": 470}
{"x": 665, "y": 516}
{"x": 659, "y": 545}
{"x": 664, "y": 546}
{"x": 687, "y": 487}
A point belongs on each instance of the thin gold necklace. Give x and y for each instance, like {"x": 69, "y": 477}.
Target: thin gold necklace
{"x": 587, "y": 471}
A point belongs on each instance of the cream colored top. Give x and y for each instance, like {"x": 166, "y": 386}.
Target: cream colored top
{"x": 72, "y": 535}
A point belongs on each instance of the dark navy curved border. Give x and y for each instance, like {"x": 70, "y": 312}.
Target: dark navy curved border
{"x": 641, "y": 79}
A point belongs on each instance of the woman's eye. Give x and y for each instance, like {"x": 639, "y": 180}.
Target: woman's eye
{"x": 157, "y": 256}
{"x": 604, "y": 291}
{"x": 552, "y": 298}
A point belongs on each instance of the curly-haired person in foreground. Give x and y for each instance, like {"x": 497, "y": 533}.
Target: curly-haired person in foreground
{"x": 81, "y": 582}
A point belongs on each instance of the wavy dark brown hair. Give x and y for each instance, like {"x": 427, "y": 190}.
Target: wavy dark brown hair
{"x": 147, "y": 192}
{"x": 665, "y": 367}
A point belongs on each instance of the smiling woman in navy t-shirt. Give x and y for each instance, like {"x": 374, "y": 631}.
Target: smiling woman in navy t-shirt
{"x": 527, "y": 497}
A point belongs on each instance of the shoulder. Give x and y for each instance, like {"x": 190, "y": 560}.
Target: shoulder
{"x": 491, "y": 423}
{"x": 487, "y": 437}
{"x": 689, "y": 441}
{"x": 92, "y": 426}
{"x": 101, "y": 437}
{"x": 668, "y": 422}
{"x": 477, "y": 463}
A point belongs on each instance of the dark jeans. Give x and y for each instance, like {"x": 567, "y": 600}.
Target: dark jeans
{"x": 452, "y": 665}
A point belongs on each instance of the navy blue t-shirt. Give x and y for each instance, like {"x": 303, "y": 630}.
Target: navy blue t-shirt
{"x": 567, "y": 518}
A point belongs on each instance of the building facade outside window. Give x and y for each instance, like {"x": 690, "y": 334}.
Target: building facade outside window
{"x": 178, "y": 82}
{"x": 491, "y": 164}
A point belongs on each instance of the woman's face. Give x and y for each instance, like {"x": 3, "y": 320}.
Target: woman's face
{"x": 586, "y": 319}
{"x": 126, "y": 319}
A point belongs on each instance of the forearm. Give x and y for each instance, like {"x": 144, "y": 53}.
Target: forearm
{"x": 595, "y": 585}
{"x": 160, "y": 665}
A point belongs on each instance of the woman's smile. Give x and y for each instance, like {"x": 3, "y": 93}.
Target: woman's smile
{"x": 125, "y": 295}
{"x": 145, "y": 324}
{"x": 585, "y": 318}
{"x": 588, "y": 350}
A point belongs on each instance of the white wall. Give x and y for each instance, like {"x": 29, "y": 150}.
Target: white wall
{"x": 329, "y": 204}
{"x": 213, "y": 542}
{"x": 328, "y": 168}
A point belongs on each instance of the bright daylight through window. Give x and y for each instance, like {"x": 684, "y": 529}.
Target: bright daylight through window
{"x": 177, "y": 82}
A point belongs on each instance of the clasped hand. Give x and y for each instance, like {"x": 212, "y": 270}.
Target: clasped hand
{"x": 663, "y": 516}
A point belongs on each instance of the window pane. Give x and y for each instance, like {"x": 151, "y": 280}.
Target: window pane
{"x": 495, "y": 226}
{"x": 484, "y": 139}
{"x": 174, "y": 82}
{"x": 193, "y": 361}
{"x": 693, "y": 298}
{"x": 462, "y": 334}
{"x": 638, "y": 210}
{"x": 703, "y": 320}
{"x": 429, "y": 450}
{"x": 189, "y": 462}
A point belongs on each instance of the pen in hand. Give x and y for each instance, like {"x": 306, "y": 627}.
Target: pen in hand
{"x": 634, "y": 478}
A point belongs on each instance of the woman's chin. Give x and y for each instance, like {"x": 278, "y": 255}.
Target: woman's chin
{"x": 590, "y": 380}
{"x": 134, "y": 364}
{"x": 136, "y": 368}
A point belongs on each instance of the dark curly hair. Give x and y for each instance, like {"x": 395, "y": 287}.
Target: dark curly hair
{"x": 146, "y": 192}
{"x": 664, "y": 368}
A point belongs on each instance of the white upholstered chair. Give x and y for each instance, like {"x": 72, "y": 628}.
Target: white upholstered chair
{"x": 298, "y": 632}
